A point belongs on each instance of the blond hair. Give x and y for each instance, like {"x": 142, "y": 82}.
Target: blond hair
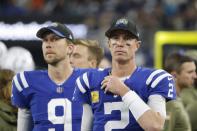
{"x": 94, "y": 48}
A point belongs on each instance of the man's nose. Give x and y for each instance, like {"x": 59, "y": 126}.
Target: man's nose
{"x": 120, "y": 42}
{"x": 48, "y": 44}
{"x": 195, "y": 75}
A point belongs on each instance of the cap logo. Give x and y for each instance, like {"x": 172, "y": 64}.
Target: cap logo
{"x": 122, "y": 21}
{"x": 54, "y": 24}
{"x": 70, "y": 37}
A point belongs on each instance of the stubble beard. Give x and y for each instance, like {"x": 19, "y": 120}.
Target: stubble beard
{"x": 123, "y": 61}
{"x": 52, "y": 61}
{"x": 185, "y": 85}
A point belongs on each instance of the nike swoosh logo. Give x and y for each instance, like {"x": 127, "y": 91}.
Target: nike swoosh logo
{"x": 169, "y": 78}
{"x": 115, "y": 96}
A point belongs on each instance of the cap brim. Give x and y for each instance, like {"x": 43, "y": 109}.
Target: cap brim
{"x": 108, "y": 32}
{"x": 45, "y": 30}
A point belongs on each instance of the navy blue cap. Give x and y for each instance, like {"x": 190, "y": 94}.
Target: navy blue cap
{"x": 123, "y": 24}
{"x": 57, "y": 28}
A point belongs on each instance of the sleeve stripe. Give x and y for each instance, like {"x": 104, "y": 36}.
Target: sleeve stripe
{"x": 18, "y": 86}
{"x": 23, "y": 79}
{"x": 100, "y": 69}
{"x": 156, "y": 81}
{"x": 80, "y": 86}
{"x": 85, "y": 78}
{"x": 148, "y": 81}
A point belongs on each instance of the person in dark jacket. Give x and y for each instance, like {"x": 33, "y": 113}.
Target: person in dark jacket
{"x": 8, "y": 113}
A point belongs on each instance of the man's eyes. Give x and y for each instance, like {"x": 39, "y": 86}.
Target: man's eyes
{"x": 125, "y": 38}
{"x": 76, "y": 55}
{"x": 52, "y": 39}
{"x": 128, "y": 44}
{"x": 55, "y": 38}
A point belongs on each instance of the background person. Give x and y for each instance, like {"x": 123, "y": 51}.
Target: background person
{"x": 86, "y": 54}
{"x": 182, "y": 69}
{"x": 189, "y": 95}
{"x": 8, "y": 113}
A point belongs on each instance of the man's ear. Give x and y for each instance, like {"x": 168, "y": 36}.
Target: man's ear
{"x": 138, "y": 43}
{"x": 109, "y": 45}
{"x": 93, "y": 63}
{"x": 174, "y": 74}
{"x": 70, "y": 48}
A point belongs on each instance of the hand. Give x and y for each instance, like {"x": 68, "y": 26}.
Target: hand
{"x": 114, "y": 85}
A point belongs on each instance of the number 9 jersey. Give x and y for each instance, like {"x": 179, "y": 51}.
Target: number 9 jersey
{"x": 109, "y": 111}
{"x": 50, "y": 104}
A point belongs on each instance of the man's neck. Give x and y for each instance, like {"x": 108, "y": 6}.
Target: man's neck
{"x": 122, "y": 70}
{"x": 60, "y": 72}
{"x": 178, "y": 89}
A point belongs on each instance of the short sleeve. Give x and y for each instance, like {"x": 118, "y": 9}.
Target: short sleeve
{"x": 18, "y": 85}
{"x": 82, "y": 90}
{"x": 164, "y": 85}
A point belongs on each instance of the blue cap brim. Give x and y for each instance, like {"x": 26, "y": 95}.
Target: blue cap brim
{"x": 41, "y": 33}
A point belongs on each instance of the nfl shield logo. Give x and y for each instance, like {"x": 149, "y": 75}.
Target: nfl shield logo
{"x": 59, "y": 90}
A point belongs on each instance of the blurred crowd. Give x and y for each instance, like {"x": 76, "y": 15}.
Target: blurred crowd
{"x": 150, "y": 15}
{"x": 13, "y": 60}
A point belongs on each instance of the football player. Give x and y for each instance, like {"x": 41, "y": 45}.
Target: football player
{"x": 46, "y": 94}
{"x": 125, "y": 97}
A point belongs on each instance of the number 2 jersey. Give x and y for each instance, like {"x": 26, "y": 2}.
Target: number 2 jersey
{"x": 50, "y": 104}
{"x": 110, "y": 113}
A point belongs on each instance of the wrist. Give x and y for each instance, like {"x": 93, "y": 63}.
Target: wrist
{"x": 124, "y": 91}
